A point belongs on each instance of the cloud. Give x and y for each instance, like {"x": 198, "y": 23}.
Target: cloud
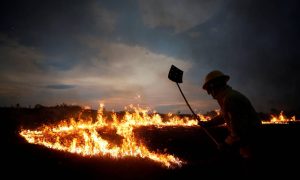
{"x": 19, "y": 70}
{"x": 255, "y": 44}
{"x": 115, "y": 74}
{"x": 105, "y": 19}
{"x": 16, "y": 58}
{"x": 60, "y": 86}
{"x": 23, "y": 81}
{"x": 194, "y": 34}
{"x": 120, "y": 71}
{"x": 179, "y": 15}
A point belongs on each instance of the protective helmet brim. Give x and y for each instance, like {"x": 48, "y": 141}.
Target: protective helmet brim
{"x": 224, "y": 78}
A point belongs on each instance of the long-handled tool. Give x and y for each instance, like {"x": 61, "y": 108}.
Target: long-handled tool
{"x": 175, "y": 75}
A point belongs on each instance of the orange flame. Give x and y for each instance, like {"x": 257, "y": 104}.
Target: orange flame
{"x": 82, "y": 136}
{"x": 280, "y": 119}
{"x": 209, "y": 117}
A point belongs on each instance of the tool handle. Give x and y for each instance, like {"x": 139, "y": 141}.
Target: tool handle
{"x": 199, "y": 121}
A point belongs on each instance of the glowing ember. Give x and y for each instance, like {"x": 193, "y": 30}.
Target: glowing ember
{"x": 83, "y": 137}
{"x": 280, "y": 119}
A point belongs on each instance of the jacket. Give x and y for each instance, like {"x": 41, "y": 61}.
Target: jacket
{"x": 239, "y": 115}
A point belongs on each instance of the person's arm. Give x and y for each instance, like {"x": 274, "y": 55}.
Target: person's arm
{"x": 236, "y": 108}
{"x": 217, "y": 120}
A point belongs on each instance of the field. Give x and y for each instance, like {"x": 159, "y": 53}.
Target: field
{"x": 278, "y": 153}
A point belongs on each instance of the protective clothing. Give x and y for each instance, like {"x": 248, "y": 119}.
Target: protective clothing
{"x": 241, "y": 119}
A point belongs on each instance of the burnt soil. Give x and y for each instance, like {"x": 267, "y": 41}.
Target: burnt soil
{"x": 278, "y": 154}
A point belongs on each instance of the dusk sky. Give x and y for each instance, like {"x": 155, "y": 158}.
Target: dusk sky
{"x": 120, "y": 52}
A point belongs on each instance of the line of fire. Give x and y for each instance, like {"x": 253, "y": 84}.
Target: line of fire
{"x": 83, "y": 136}
{"x": 137, "y": 138}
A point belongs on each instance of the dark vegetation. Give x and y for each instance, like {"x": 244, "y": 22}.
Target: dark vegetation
{"x": 278, "y": 151}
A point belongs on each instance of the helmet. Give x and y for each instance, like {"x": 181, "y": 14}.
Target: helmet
{"x": 213, "y": 75}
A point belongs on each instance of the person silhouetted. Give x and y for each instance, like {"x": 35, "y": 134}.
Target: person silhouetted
{"x": 238, "y": 114}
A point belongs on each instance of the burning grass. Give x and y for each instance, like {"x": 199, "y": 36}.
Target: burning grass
{"x": 279, "y": 119}
{"x": 108, "y": 137}
{"x": 113, "y": 136}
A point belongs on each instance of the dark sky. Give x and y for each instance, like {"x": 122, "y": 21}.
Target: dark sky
{"x": 120, "y": 52}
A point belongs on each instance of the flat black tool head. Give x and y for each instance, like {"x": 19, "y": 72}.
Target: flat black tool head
{"x": 175, "y": 74}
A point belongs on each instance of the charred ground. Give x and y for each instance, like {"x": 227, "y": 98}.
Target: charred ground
{"x": 279, "y": 151}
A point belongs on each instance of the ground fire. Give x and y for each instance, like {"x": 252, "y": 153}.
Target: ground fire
{"x": 82, "y": 137}
{"x": 86, "y": 137}
{"x": 279, "y": 119}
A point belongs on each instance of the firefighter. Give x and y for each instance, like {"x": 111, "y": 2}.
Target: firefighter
{"x": 237, "y": 113}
